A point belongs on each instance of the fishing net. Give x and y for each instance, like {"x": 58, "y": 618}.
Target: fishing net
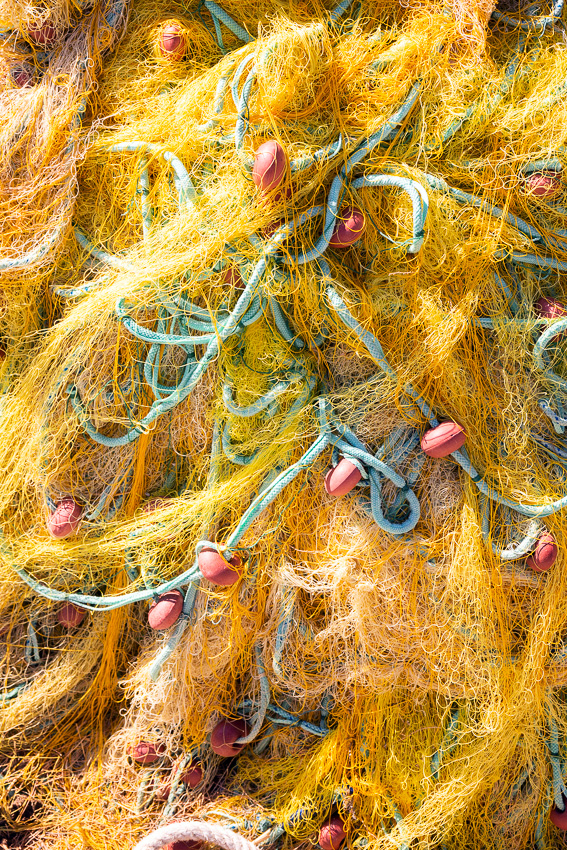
{"x": 282, "y": 431}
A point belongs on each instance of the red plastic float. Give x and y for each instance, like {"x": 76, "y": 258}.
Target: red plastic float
{"x": 43, "y": 36}
{"x": 184, "y": 844}
{"x": 70, "y": 616}
{"x": 172, "y": 44}
{"x": 444, "y": 439}
{"x": 269, "y": 230}
{"x": 270, "y": 163}
{"x": 332, "y": 834}
{"x": 550, "y": 308}
{"x": 65, "y": 518}
{"x": 543, "y": 184}
{"x": 191, "y": 777}
{"x": 146, "y": 753}
{"x": 163, "y": 791}
{"x": 22, "y": 76}
{"x": 545, "y": 554}
{"x": 166, "y": 610}
{"x": 342, "y": 478}
{"x": 219, "y": 571}
{"x": 232, "y": 277}
{"x": 558, "y": 817}
{"x": 224, "y": 735}
{"x": 348, "y": 228}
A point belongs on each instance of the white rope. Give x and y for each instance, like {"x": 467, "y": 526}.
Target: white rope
{"x": 195, "y": 830}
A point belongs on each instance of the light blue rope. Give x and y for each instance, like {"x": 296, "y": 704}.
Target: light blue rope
{"x": 538, "y": 24}
{"x": 219, "y": 14}
{"x": 517, "y": 550}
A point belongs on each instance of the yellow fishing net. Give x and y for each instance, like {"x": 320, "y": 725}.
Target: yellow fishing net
{"x": 282, "y": 429}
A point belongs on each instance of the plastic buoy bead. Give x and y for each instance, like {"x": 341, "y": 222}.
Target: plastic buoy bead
{"x": 163, "y": 791}
{"x": 444, "y": 439}
{"x": 172, "y": 44}
{"x": 231, "y": 277}
{"x": 550, "y": 308}
{"x": 166, "y": 610}
{"x": 217, "y": 570}
{"x": 342, "y": 478}
{"x": 191, "y": 778}
{"x": 348, "y": 228}
{"x": 543, "y": 184}
{"x": 43, "y": 36}
{"x": 146, "y": 753}
{"x": 269, "y": 230}
{"x": 22, "y": 76}
{"x": 545, "y": 554}
{"x": 65, "y": 518}
{"x": 224, "y": 735}
{"x": 332, "y": 834}
{"x": 558, "y": 817}
{"x": 270, "y": 162}
{"x": 70, "y": 616}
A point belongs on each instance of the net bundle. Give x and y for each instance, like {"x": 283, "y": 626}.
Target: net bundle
{"x": 282, "y": 431}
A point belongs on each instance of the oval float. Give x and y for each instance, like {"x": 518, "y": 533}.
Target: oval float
{"x": 145, "y": 753}
{"x": 543, "y": 184}
{"x": 269, "y": 230}
{"x": 545, "y": 554}
{"x": 558, "y": 817}
{"x": 341, "y": 479}
{"x": 184, "y": 844}
{"x": 270, "y": 162}
{"x": 166, "y": 610}
{"x": 172, "y": 43}
{"x": 444, "y": 439}
{"x": 65, "y": 518}
{"x": 70, "y": 616}
{"x": 22, "y": 76}
{"x": 550, "y": 308}
{"x": 43, "y": 36}
{"x": 349, "y": 228}
{"x": 224, "y": 735}
{"x": 232, "y": 277}
{"x": 192, "y": 776}
{"x": 219, "y": 571}
{"x": 332, "y": 834}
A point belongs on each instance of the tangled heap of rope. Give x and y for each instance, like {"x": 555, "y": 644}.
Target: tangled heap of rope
{"x": 283, "y": 425}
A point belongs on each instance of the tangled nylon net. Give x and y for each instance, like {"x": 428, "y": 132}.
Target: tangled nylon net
{"x": 282, "y": 429}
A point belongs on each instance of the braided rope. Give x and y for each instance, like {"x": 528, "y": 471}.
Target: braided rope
{"x": 195, "y": 831}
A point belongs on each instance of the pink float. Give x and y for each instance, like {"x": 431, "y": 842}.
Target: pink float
{"x": 65, "y": 519}
{"x": 166, "y": 610}
{"x": 270, "y": 163}
{"x": 444, "y": 439}
{"x": 349, "y": 227}
{"x": 217, "y": 570}
{"x": 224, "y": 736}
{"x": 341, "y": 479}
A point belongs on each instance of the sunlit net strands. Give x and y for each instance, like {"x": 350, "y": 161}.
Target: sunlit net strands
{"x": 282, "y": 432}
